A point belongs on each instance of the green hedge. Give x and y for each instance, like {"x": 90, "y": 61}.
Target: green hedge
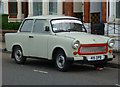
{"x": 0, "y": 21}
{"x": 9, "y": 25}
{"x": 4, "y": 21}
{"x": 13, "y": 25}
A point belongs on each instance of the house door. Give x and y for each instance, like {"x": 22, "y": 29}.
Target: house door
{"x": 95, "y": 19}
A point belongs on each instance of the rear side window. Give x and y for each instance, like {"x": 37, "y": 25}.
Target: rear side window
{"x": 27, "y": 26}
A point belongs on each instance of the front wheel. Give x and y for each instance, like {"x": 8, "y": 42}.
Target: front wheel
{"x": 60, "y": 61}
{"x": 18, "y": 55}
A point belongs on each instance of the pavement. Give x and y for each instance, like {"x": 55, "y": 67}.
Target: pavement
{"x": 114, "y": 63}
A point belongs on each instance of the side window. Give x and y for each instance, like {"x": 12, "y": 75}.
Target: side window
{"x": 39, "y": 26}
{"x": 27, "y": 26}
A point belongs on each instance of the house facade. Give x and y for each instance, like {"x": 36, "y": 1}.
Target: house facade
{"x": 20, "y": 9}
{"x": 89, "y": 11}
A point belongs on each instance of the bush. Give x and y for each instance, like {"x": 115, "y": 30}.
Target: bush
{"x": 0, "y": 21}
{"x": 13, "y": 25}
{"x": 4, "y": 21}
{"x": 9, "y": 25}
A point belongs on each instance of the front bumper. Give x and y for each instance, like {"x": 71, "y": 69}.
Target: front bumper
{"x": 84, "y": 60}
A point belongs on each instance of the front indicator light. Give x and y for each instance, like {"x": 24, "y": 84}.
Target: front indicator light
{"x": 75, "y": 53}
{"x": 110, "y": 51}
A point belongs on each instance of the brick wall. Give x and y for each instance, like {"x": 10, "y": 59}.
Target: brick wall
{"x": 86, "y": 11}
{"x": 68, "y": 7}
{"x": 104, "y": 11}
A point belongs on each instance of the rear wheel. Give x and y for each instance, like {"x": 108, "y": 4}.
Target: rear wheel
{"x": 18, "y": 55}
{"x": 60, "y": 61}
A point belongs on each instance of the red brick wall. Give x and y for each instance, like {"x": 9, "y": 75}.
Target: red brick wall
{"x": 86, "y": 11}
{"x": 25, "y": 8}
{"x": 104, "y": 11}
{"x": 68, "y": 7}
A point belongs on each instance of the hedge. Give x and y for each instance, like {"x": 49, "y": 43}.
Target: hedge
{"x": 8, "y": 25}
{"x": 4, "y": 21}
{"x": 11, "y": 26}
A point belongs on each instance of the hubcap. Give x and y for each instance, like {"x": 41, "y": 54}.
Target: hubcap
{"x": 60, "y": 61}
{"x": 18, "y": 55}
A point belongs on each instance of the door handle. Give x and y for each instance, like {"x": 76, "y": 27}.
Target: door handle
{"x": 31, "y": 36}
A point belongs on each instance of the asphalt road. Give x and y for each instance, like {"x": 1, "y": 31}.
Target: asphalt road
{"x": 39, "y": 72}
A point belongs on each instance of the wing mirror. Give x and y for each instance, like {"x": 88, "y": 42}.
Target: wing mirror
{"x": 47, "y": 28}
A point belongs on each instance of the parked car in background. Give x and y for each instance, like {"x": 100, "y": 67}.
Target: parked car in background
{"x": 62, "y": 39}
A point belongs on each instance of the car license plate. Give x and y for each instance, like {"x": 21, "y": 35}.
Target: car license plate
{"x": 94, "y": 58}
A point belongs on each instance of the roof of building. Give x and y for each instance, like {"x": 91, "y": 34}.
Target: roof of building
{"x": 49, "y": 17}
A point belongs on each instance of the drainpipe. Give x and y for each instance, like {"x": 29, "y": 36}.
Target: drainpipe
{"x": 100, "y": 11}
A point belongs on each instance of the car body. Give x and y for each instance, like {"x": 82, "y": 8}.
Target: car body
{"x": 62, "y": 39}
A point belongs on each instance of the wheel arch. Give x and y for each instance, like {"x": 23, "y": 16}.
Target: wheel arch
{"x": 56, "y": 50}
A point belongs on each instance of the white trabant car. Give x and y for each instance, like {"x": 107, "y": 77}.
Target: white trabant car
{"x": 62, "y": 39}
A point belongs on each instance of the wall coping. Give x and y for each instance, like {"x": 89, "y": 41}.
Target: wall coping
{"x": 7, "y": 31}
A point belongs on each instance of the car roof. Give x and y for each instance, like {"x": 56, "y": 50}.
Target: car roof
{"x": 50, "y": 17}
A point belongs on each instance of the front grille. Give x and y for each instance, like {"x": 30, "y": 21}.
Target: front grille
{"x": 93, "y": 49}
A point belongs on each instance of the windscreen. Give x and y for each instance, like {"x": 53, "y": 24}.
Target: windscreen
{"x": 67, "y": 25}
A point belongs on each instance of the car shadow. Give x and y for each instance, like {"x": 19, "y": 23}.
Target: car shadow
{"x": 81, "y": 68}
{"x": 45, "y": 64}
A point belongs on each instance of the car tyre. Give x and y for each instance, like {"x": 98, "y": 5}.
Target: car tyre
{"x": 18, "y": 55}
{"x": 60, "y": 61}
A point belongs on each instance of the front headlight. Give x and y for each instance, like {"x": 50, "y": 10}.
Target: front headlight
{"x": 111, "y": 42}
{"x": 76, "y": 44}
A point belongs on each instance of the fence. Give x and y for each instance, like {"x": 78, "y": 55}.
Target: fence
{"x": 113, "y": 27}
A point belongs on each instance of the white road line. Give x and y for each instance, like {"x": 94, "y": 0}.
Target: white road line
{"x": 117, "y": 85}
{"x": 43, "y": 72}
{"x": 40, "y": 71}
{"x": 35, "y": 70}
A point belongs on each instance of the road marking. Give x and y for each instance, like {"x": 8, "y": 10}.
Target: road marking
{"x": 40, "y": 71}
{"x": 117, "y": 85}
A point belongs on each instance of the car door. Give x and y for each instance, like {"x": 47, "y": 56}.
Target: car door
{"x": 24, "y": 33}
{"x": 38, "y": 40}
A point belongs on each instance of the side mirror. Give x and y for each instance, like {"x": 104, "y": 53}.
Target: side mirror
{"x": 47, "y": 28}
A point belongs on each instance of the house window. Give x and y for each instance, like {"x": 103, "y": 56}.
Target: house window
{"x": 118, "y": 9}
{"x": 12, "y": 6}
{"x": 0, "y": 7}
{"x": 37, "y": 8}
{"x": 52, "y": 7}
